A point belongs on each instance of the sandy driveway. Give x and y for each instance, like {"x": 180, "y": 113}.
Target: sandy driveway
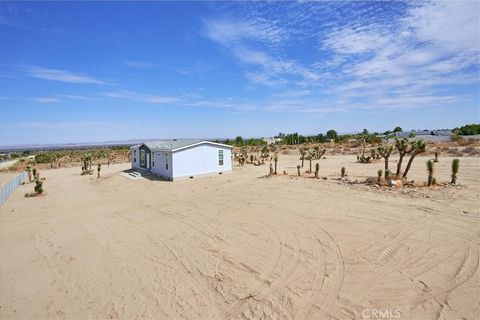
{"x": 239, "y": 246}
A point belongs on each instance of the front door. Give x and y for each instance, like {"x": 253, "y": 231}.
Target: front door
{"x": 149, "y": 166}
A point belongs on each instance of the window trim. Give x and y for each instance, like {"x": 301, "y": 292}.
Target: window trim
{"x": 221, "y": 161}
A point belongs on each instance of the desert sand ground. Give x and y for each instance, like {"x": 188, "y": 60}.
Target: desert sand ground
{"x": 241, "y": 246}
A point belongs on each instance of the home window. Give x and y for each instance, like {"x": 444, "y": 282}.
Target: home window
{"x": 220, "y": 157}
{"x": 143, "y": 160}
{"x": 135, "y": 160}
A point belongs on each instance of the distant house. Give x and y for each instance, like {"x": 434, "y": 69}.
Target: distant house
{"x": 180, "y": 159}
{"x": 272, "y": 140}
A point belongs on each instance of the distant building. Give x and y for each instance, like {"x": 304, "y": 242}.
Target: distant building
{"x": 180, "y": 159}
{"x": 272, "y": 140}
{"x": 428, "y": 135}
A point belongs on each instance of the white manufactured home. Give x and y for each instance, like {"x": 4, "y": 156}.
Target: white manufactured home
{"x": 181, "y": 159}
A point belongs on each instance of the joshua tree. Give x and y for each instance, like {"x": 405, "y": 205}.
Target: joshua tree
{"x": 99, "y": 167}
{"x": 430, "y": 172}
{"x": 320, "y": 155}
{"x": 34, "y": 171}
{"x": 436, "y": 156}
{"x": 317, "y": 151}
{"x": 303, "y": 151}
{"x": 38, "y": 186}
{"x": 455, "y": 167}
{"x": 29, "y": 171}
{"x": 317, "y": 168}
{"x": 363, "y": 145}
{"x": 265, "y": 153}
{"x": 385, "y": 152}
{"x": 418, "y": 147}
{"x": 310, "y": 157}
{"x": 403, "y": 148}
{"x": 342, "y": 172}
{"x": 275, "y": 159}
{"x": 87, "y": 163}
{"x": 271, "y": 169}
{"x": 379, "y": 176}
{"x": 298, "y": 170}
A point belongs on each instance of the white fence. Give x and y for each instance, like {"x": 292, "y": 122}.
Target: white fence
{"x": 7, "y": 189}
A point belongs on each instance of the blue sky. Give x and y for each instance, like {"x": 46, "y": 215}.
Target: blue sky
{"x": 98, "y": 71}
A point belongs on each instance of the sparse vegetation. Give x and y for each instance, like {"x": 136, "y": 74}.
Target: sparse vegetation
{"x": 310, "y": 157}
{"x": 455, "y": 167}
{"x": 87, "y": 164}
{"x": 302, "y": 151}
{"x": 379, "y": 176}
{"x": 29, "y": 172}
{"x": 317, "y": 169}
{"x": 342, "y": 172}
{"x": 418, "y": 147}
{"x": 275, "y": 159}
{"x": 385, "y": 152}
{"x": 99, "y": 167}
{"x": 430, "y": 172}
{"x": 298, "y": 170}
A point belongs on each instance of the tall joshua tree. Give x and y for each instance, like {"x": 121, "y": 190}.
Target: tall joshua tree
{"x": 430, "y": 172}
{"x": 419, "y": 147}
{"x": 317, "y": 151}
{"x": 404, "y": 148}
{"x": 385, "y": 152}
{"x": 29, "y": 171}
{"x": 310, "y": 157}
{"x": 455, "y": 167}
{"x": 303, "y": 152}
{"x": 320, "y": 155}
{"x": 275, "y": 159}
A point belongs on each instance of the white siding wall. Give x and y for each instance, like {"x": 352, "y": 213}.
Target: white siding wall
{"x": 160, "y": 159}
{"x": 200, "y": 159}
{"x": 135, "y": 158}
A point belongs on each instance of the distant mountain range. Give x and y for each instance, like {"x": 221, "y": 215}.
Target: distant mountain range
{"x": 86, "y": 145}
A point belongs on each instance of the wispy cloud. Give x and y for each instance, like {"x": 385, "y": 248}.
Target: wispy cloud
{"x": 148, "y": 98}
{"x": 46, "y": 100}
{"x": 61, "y": 97}
{"x": 140, "y": 64}
{"x": 395, "y": 56}
{"x": 62, "y": 75}
{"x": 55, "y": 125}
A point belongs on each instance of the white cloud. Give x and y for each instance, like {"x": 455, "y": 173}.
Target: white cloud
{"x": 226, "y": 31}
{"x": 452, "y": 25}
{"x": 61, "y": 75}
{"x": 148, "y": 98}
{"x": 140, "y": 64}
{"x": 55, "y": 125}
{"x": 46, "y": 100}
{"x": 74, "y": 97}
